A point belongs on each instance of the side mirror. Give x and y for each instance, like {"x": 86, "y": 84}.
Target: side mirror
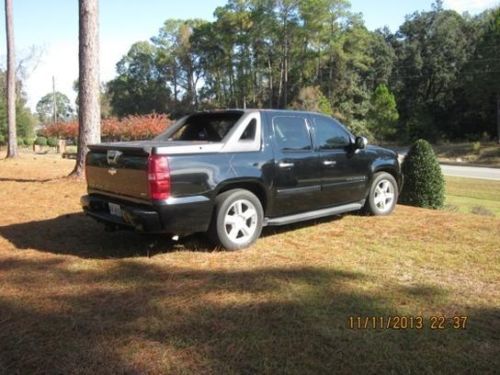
{"x": 360, "y": 143}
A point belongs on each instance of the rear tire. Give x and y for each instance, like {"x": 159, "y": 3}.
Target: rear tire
{"x": 237, "y": 220}
{"x": 383, "y": 195}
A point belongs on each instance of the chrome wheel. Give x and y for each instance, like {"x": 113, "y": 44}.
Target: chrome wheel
{"x": 240, "y": 221}
{"x": 384, "y": 196}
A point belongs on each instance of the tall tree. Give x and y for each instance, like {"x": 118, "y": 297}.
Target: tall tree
{"x": 482, "y": 77}
{"x": 141, "y": 84}
{"x": 25, "y": 121}
{"x": 45, "y": 107}
{"x": 383, "y": 113}
{"x": 178, "y": 62}
{"x": 11, "y": 80}
{"x": 432, "y": 49}
{"x": 88, "y": 84}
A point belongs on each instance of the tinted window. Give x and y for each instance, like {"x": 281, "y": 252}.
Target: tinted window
{"x": 212, "y": 127}
{"x": 291, "y": 133}
{"x": 249, "y": 133}
{"x": 330, "y": 134}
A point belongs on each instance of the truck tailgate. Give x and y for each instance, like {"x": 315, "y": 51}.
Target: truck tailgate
{"x": 119, "y": 171}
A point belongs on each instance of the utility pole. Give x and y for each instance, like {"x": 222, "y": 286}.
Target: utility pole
{"x": 54, "y": 100}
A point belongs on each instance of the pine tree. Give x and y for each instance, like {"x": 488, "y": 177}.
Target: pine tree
{"x": 89, "y": 87}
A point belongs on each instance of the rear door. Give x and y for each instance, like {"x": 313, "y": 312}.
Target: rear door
{"x": 297, "y": 168}
{"x": 344, "y": 172}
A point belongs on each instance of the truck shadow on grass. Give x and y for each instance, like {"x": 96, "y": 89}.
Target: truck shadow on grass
{"x": 78, "y": 235}
{"x": 138, "y": 317}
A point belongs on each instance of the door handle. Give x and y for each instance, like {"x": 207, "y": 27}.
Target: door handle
{"x": 285, "y": 165}
{"x": 329, "y": 162}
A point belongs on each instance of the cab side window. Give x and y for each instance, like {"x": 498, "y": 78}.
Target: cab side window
{"x": 291, "y": 133}
{"x": 329, "y": 134}
{"x": 249, "y": 132}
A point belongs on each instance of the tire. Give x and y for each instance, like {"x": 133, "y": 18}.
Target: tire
{"x": 383, "y": 195}
{"x": 237, "y": 220}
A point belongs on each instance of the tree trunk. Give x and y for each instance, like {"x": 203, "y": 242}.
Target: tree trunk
{"x": 175, "y": 85}
{"x": 498, "y": 118}
{"x": 11, "y": 81}
{"x": 89, "y": 119}
{"x": 271, "y": 77}
{"x": 285, "y": 83}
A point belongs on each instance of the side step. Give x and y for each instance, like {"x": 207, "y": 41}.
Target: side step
{"x": 284, "y": 220}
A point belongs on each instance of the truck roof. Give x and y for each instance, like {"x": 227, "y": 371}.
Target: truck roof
{"x": 271, "y": 110}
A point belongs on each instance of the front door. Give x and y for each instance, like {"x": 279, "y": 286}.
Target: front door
{"x": 297, "y": 169}
{"x": 344, "y": 176}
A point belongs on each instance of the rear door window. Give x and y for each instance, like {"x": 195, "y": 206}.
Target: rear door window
{"x": 291, "y": 133}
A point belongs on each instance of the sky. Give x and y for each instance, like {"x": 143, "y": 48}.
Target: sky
{"x": 50, "y": 28}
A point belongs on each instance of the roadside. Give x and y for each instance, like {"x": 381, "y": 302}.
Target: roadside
{"x": 472, "y": 154}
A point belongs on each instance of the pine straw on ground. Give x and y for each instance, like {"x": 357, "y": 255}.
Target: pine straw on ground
{"x": 76, "y": 299}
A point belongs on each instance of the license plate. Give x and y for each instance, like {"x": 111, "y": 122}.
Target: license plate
{"x": 115, "y": 209}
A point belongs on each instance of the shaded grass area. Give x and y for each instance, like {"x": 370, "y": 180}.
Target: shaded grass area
{"x": 473, "y": 195}
{"x": 74, "y": 299}
{"x": 485, "y": 153}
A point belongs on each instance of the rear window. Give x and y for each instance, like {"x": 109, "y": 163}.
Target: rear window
{"x": 210, "y": 127}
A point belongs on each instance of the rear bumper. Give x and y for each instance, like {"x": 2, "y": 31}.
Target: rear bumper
{"x": 175, "y": 215}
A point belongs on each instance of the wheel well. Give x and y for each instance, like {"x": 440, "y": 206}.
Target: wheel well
{"x": 390, "y": 171}
{"x": 254, "y": 187}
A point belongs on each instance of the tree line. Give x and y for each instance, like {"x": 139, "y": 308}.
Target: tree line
{"x": 437, "y": 77}
{"x": 24, "y": 119}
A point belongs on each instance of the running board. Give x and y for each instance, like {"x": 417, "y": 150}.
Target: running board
{"x": 284, "y": 220}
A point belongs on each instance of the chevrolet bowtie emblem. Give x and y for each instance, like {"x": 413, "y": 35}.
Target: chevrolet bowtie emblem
{"x": 112, "y": 171}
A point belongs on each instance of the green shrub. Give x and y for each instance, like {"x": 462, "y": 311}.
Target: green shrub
{"x": 28, "y": 141}
{"x": 423, "y": 180}
{"x": 3, "y": 140}
{"x": 41, "y": 141}
{"x": 20, "y": 141}
{"x": 52, "y": 142}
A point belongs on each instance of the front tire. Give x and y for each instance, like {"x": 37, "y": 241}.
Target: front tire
{"x": 238, "y": 218}
{"x": 383, "y": 194}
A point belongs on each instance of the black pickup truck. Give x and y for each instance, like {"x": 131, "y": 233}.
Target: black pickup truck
{"x": 231, "y": 172}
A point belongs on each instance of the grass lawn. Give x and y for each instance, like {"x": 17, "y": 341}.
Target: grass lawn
{"x": 76, "y": 299}
{"x": 473, "y": 195}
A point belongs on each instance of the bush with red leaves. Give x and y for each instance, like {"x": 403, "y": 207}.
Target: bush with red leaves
{"x": 114, "y": 129}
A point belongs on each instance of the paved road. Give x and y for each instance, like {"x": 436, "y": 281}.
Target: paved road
{"x": 471, "y": 172}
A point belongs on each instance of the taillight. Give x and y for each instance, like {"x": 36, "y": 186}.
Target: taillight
{"x": 158, "y": 177}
